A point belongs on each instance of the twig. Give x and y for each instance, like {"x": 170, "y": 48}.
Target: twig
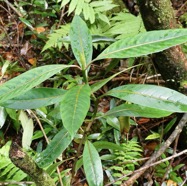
{"x": 13, "y": 8}
{"x": 158, "y": 153}
{"x": 184, "y": 182}
{"x": 171, "y": 162}
{"x": 148, "y": 166}
{"x": 41, "y": 127}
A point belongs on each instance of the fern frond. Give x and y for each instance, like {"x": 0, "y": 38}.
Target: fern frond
{"x": 91, "y": 10}
{"x": 55, "y": 39}
{"x": 124, "y": 160}
{"x": 124, "y": 24}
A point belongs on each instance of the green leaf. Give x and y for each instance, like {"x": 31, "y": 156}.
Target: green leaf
{"x": 28, "y": 128}
{"x": 144, "y": 44}
{"x": 92, "y": 165}
{"x": 81, "y": 41}
{"x": 27, "y": 23}
{"x": 35, "y": 98}
{"x": 153, "y": 136}
{"x": 64, "y": 2}
{"x": 28, "y": 80}
{"x": 98, "y": 85}
{"x": 54, "y": 149}
{"x": 74, "y": 107}
{"x": 169, "y": 125}
{"x": 134, "y": 110}
{"x": 107, "y": 145}
{"x": 72, "y": 6}
{"x": 151, "y": 96}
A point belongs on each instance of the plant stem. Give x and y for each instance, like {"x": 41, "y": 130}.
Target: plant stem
{"x": 85, "y": 76}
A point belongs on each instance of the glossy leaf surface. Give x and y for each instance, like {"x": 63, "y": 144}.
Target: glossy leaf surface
{"x": 35, "y": 98}
{"x": 134, "y": 110}
{"x": 152, "y": 96}
{"x": 144, "y": 44}
{"x": 28, "y": 80}
{"x": 81, "y": 41}
{"x": 74, "y": 107}
{"x": 92, "y": 165}
{"x": 54, "y": 149}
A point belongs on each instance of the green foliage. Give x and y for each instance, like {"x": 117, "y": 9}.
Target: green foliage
{"x": 91, "y": 10}
{"x": 55, "y": 39}
{"x": 92, "y": 165}
{"x": 72, "y": 113}
{"x": 81, "y": 42}
{"x": 27, "y": 81}
{"x": 35, "y": 98}
{"x": 125, "y": 161}
{"x": 160, "y": 171}
{"x": 151, "y": 96}
{"x": 8, "y": 171}
{"x": 137, "y": 111}
{"x": 74, "y": 107}
{"x": 124, "y": 24}
{"x": 144, "y": 44}
{"x": 58, "y": 144}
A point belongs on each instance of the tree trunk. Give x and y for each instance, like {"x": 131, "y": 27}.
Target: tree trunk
{"x": 171, "y": 63}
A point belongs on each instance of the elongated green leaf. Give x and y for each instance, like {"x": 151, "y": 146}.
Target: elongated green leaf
{"x": 28, "y": 80}
{"x": 92, "y": 165}
{"x": 35, "y": 98}
{"x": 135, "y": 110}
{"x": 74, "y": 107}
{"x": 144, "y": 44}
{"x": 152, "y": 96}
{"x": 54, "y": 149}
{"x": 98, "y": 85}
{"x": 107, "y": 145}
{"x": 81, "y": 41}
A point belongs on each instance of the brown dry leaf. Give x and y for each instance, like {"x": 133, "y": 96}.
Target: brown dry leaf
{"x": 32, "y": 61}
{"x": 171, "y": 183}
{"x": 141, "y": 121}
{"x": 39, "y": 29}
{"x": 151, "y": 145}
{"x": 21, "y": 27}
{"x": 8, "y": 56}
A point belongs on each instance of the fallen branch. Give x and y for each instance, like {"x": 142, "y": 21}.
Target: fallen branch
{"x": 158, "y": 153}
{"x": 26, "y": 164}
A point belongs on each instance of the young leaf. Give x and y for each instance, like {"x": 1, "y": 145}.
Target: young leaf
{"x": 28, "y": 80}
{"x": 134, "y": 110}
{"x": 81, "y": 41}
{"x": 92, "y": 165}
{"x": 28, "y": 127}
{"x": 58, "y": 144}
{"x": 35, "y": 98}
{"x": 74, "y": 107}
{"x": 144, "y": 44}
{"x": 152, "y": 96}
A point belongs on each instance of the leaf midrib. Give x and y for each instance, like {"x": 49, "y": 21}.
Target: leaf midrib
{"x": 143, "y": 44}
